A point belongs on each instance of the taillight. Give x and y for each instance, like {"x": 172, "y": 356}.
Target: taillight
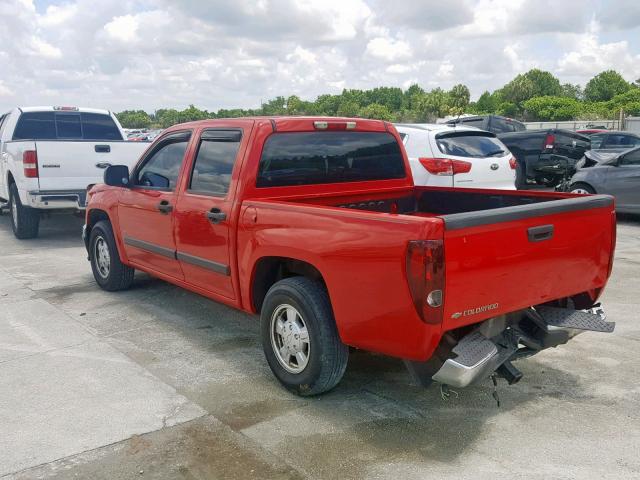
{"x": 445, "y": 166}
{"x": 30, "y": 163}
{"x": 425, "y": 275}
{"x": 614, "y": 235}
{"x": 549, "y": 141}
{"x": 512, "y": 162}
{"x": 334, "y": 125}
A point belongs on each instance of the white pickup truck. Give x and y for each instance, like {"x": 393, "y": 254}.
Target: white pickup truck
{"x": 49, "y": 156}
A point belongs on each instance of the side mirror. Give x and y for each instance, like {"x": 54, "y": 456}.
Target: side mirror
{"x": 117, "y": 176}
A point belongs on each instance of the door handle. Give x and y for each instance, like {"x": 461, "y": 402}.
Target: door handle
{"x": 102, "y": 148}
{"x": 215, "y": 215}
{"x": 103, "y": 164}
{"x": 165, "y": 207}
{"x": 541, "y": 233}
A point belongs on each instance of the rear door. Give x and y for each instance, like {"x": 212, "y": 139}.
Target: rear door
{"x": 146, "y": 210}
{"x": 203, "y": 217}
{"x": 506, "y": 259}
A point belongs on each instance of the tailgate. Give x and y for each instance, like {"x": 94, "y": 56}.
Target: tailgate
{"x": 73, "y": 165}
{"x": 502, "y": 260}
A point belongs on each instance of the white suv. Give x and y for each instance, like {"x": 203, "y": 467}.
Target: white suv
{"x": 450, "y": 156}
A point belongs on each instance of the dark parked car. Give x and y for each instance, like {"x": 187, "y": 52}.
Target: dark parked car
{"x": 616, "y": 174}
{"x": 545, "y": 156}
{"x": 614, "y": 141}
{"x": 490, "y": 123}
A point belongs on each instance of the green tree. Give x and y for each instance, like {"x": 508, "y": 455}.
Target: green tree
{"x": 276, "y": 106}
{"x": 605, "y": 86}
{"x": 534, "y": 83}
{"x": 167, "y": 117}
{"x": 348, "y": 108}
{"x": 295, "y": 106}
{"x": 571, "y": 90}
{"x": 134, "y": 119}
{"x": 411, "y": 96}
{"x": 552, "y": 108}
{"x": 376, "y": 111}
{"x": 432, "y": 105}
{"x": 458, "y": 101}
{"x": 487, "y": 103}
{"x": 192, "y": 113}
{"x": 327, "y": 104}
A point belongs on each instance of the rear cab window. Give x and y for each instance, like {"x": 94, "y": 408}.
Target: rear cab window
{"x": 66, "y": 126}
{"x": 305, "y": 158}
{"x": 470, "y": 145}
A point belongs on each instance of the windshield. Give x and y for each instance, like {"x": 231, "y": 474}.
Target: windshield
{"x": 471, "y": 145}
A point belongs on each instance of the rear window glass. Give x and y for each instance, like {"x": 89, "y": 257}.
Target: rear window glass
{"x": 96, "y": 126}
{"x": 596, "y": 140}
{"x": 476, "y": 122}
{"x": 66, "y": 126}
{"x": 472, "y": 146}
{"x": 329, "y": 157}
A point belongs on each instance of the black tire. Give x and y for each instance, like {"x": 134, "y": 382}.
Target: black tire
{"x": 579, "y": 187}
{"x": 521, "y": 176}
{"x": 327, "y": 355}
{"x": 110, "y": 273}
{"x": 25, "y": 221}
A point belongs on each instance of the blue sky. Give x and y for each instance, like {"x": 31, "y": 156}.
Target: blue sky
{"x": 161, "y": 53}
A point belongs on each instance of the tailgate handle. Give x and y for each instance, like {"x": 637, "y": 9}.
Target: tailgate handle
{"x": 102, "y": 148}
{"x": 541, "y": 233}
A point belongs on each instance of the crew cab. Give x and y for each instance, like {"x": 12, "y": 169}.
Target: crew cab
{"x": 50, "y": 155}
{"x": 315, "y": 224}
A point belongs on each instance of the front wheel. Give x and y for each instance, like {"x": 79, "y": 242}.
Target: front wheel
{"x": 300, "y": 338}
{"x": 25, "y": 221}
{"x": 581, "y": 188}
{"x": 108, "y": 270}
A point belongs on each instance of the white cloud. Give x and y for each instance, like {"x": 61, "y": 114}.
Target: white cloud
{"x": 219, "y": 54}
{"x": 388, "y": 49}
{"x": 4, "y": 90}
{"x": 122, "y": 29}
{"x": 591, "y": 56}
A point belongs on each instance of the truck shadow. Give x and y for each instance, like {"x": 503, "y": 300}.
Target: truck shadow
{"x": 58, "y": 230}
{"x": 375, "y": 410}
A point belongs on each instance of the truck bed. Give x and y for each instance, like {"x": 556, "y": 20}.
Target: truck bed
{"x": 505, "y": 250}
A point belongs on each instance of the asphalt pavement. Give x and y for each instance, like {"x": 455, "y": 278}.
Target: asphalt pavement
{"x": 157, "y": 382}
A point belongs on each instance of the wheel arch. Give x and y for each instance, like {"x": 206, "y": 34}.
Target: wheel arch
{"x": 268, "y": 270}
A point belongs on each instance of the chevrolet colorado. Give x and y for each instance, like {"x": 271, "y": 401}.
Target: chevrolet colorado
{"x": 315, "y": 225}
{"x": 50, "y": 155}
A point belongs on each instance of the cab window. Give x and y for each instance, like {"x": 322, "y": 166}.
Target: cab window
{"x": 213, "y": 166}
{"x": 162, "y": 167}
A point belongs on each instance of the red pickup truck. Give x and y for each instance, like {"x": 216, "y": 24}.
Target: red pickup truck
{"x": 315, "y": 225}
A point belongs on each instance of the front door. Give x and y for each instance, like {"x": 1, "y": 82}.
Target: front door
{"x": 203, "y": 213}
{"x": 623, "y": 181}
{"x": 146, "y": 210}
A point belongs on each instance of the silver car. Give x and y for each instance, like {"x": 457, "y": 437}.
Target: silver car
{"x": 616, "y": 174}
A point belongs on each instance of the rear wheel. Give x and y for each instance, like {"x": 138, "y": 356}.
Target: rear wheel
{"x": 300, "y": 338}
{"x": 108, "y": 270}
{"x": 25, "y": 221}
{"x": 581, "y": 188}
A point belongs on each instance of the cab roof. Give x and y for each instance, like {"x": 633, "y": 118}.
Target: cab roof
{"x": 64, "y": 108}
